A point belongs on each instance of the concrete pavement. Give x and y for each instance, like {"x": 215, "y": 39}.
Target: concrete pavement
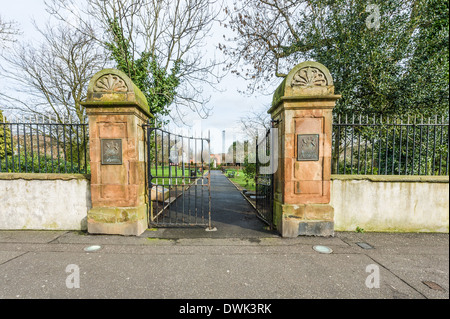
{"x": 49, "y": 264}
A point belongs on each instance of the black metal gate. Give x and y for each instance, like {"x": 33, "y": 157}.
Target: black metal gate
{"x": 179, "y": 179}
{"x": 264, "y": 179}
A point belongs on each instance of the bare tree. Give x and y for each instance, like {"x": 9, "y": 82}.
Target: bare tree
{"x": 50, "y": 79}
{"x": 170, "y": 32}
{"x": 379, "y": 54}
{"x": 255, "y": 123}
{"x": 8, "y": 32}
{"x": 265, "y": 30}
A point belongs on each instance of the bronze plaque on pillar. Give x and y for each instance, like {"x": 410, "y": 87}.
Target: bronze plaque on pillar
{"x": 111, "y": 151}
{"x": 307, "y": 147}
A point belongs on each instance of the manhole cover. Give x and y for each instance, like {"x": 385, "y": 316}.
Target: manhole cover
{"x": 323, "y": 249}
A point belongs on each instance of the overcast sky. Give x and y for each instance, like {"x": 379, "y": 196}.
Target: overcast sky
{"x": 228, "y": 105}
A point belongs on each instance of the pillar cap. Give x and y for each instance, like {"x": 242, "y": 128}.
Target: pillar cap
{"x": 112, "y": 88}
{"x": 308, "y": 80}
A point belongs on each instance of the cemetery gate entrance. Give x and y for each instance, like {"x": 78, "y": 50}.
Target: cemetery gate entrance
{"x": 179, "y": 179}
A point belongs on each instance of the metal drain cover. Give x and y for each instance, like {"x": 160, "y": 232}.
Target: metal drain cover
{"x": 323, "y": 249}
{"x": 92, "y": 248}
{"x": 365, "y": 246}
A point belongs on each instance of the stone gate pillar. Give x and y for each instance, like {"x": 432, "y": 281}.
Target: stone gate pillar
{"x": 302, "y": 110}
{"x": 117, "y": 109}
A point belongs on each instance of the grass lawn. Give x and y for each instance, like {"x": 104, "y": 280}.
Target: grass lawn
{"x": 176, "y": 175}
{"x": 240, "y": 179}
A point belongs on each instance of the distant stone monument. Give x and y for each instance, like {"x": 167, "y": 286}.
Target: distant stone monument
{"x": 302, "y": 106}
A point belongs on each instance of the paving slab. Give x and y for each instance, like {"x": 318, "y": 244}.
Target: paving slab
{"x": 30, "y": 236}
{"x": 419, "y": 268}
{"x": 194, "y": 274}
{"x": 223, "y": 268}
{"x": 6, "y": 256}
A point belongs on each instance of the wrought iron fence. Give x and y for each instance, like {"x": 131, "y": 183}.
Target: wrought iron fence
{"x": 390, "y": 146}
{"x": 43, "y": 147}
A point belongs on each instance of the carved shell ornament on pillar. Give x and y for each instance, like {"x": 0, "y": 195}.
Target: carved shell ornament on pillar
{"x": 309, "y": 76}
{"x": 110, "y": 83}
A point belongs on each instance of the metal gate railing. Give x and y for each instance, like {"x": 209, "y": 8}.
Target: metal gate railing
{"x": 264, "y": 180}
{"x": 179, "y": 179}
{"x": 399, "y": 145}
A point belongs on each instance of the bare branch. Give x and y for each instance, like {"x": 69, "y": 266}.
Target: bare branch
{"x": 8, "y": 32}
{"x": 54, "y": 75}
{"x": 172, "y": 32}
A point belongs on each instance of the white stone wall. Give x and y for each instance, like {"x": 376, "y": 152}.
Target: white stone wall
{"x": 390, "y": 203}
{"x": 373, "y": 203}
{"x": 44, "y": 201}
